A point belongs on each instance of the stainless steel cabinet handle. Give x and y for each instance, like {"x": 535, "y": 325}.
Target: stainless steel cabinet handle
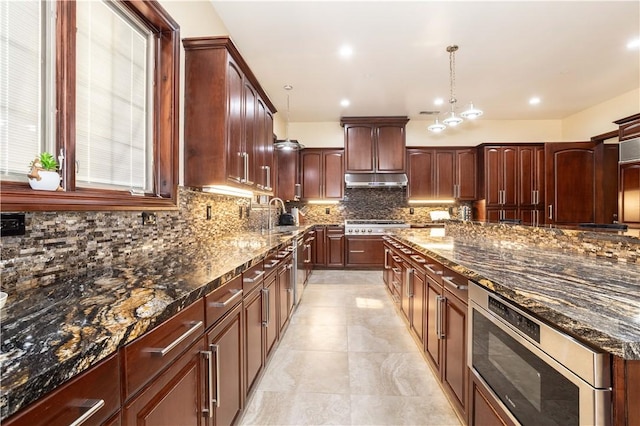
{"x": 551, "y": 211}
{"x": 214, "y": 349}
{"x": 268, "y": 177}
{"x": 410, "y": 282}
{"x": 418, "y": 258}
{"x": 172, "y": 345}
{"x": 430, "y": 266}
{"x": 96, "y": 405}
{"x": 397, "y": 270}
{"x": 386, "y": 258}
{"x": 438, "y": 317}
{"x": 443, "y": 325}
{"x": 308, "y": 259}
{"x": 356, "y": 251}
{"x": 209, "y": 394}
{"x": 265, "y": 307}
{"x": 254, "y": 279}
{"x": 397, "y": 258}
{"x": 271, "y": 264}
{"x": 246, "y": 167}
{"x": 234, "y": 295}
{"x": 447, "y": 280}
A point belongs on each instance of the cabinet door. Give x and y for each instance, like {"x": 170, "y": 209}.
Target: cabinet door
{"x": 285, "y": 294}
{"x": 359, "y": 148}
{"x": 252, "y": 128}
{"x": 417, "y": 304}
{"x": 445, "y": 174}
{"x": 531, "y": 175}
{"x": 364, "y": 251}
{"x": 390, "y": 149}
{"x": 432, "y": 346}
{"x": 466, "y": 174}
{"x": 320, "y": 242}
{"x": 287, "y": 165}
{"x": 333, "y": 174}
{"x": 420, "y": 173}
{"x": 177, "y": 396}
{"x": 235, "y": 147}
{"x": 510, "y": 176}
{"x": 225, "y": 342}
{"x": 483, "y": 412}
{"x": 311, "y": 162}
{"x": 570, "y": 182}
{"x": 271, "y": 298}
{"x": 405, "y": 290}
{"x": 254, "y": 336}
{"x": 630, "y": 193}
{"x": 493, "y": 176}
{"x": 335, "y": 247}
{"x": 454, "y": 365}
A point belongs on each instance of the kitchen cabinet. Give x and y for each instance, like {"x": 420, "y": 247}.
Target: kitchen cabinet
{"x": 225, "y": 343}
{"x": 178, "y": 395}
{"x": 254, "y": 318}
{"x": 531, "y": 185}
{"x": 500, "y": 175}
{"x": 320, "y": 246}
{"x": 95, "y": 391}
{"x": 322, "y": 172}
{"x": 630, "y": 192}
{"x": 334, "y": 246}
{"x": 628, "y": 127}
{"x": 374, "y": 144}
{"x": 415, "y": 285}
{"x": 364, "y": 251}
{"x": 271, "y": 297}
{"x": 441, "y": 173}
{"x": 288, "y": 186}
{"x": 285, "y": 290}
{"x": 432, "y": 338}
{"x": 228, "y": 119}
{"x": 482, "y": 410}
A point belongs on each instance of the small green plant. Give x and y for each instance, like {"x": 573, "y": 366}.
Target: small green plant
{"x": 47, "y": 162}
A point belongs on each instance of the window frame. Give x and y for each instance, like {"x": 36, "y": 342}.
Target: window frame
{"x": 18, "y": 196}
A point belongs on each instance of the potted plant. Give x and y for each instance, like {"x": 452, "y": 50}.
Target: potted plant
{"x": 44, "y": 173}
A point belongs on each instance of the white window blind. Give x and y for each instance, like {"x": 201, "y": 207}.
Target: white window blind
{"x": 112, "y": 72}
{"x": 22, "y": 65}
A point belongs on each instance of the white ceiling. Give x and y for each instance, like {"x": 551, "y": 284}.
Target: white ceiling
{"x": 572, "y": 54}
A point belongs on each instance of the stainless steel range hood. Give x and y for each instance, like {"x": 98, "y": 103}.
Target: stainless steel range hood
{"x": 375, "y": 180}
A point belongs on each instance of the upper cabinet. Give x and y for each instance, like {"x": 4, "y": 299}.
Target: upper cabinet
{"x": 322, "y": 172}
{"x": 374, "y": 144}
{"x": 629, "y": 127}
{"x": 288, "y": 183}
{"x": 228, "y": 130}
{"x": 441, "y": 173}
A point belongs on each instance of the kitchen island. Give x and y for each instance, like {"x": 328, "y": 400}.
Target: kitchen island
{"x": 56, "y": 332}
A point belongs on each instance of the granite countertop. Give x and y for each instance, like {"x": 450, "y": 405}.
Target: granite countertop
{"x": 595, "y": 299}
{"x": 54, "y": 332}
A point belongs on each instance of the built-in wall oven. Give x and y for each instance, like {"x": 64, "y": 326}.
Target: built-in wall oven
{"x": 537, "y": 374}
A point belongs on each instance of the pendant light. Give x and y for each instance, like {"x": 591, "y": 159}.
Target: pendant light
{"x": 452, "y": 119}
{"x": 287, "y": 144}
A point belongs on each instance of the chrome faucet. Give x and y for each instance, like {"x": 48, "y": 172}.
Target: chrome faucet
{"x": 284, "y": 210}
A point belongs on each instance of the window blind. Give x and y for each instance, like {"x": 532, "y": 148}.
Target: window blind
{"x": 21, "y": 86}
{"x": 112, "y": 146}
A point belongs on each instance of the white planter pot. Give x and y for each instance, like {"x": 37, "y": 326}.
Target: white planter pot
{"x": 49, "y": 181}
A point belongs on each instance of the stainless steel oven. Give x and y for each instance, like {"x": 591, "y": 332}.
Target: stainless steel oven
{"x": 536, "y": 373}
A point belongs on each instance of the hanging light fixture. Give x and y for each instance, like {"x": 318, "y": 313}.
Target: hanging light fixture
{"x": 452, "y": 120}
{"x": 288, "y": 144}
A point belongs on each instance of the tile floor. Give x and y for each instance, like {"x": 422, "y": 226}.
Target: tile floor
{"x": 347, "y": 359}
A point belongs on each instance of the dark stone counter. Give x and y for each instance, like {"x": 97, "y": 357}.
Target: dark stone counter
{"x": 594, "y": 299}
{"x": 54, "y": 332}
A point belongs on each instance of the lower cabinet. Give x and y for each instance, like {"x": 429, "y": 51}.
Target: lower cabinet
{"x": 454, "y": 363}
{"x": 270, "y": 298}
{"x": 254, "y": 335}
{"x": 334, "y": 246}
{"x": 482, "y": 412}
{"x": 285, "y": 290}
{"x": 364, "y": 251}
{"x": 176, "y": 396}
{"x": 416, "y": 286}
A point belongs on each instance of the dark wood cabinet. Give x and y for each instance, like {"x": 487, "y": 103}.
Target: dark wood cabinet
{"x": 364, "y": 251}
{"x": 500, "y": 175}
{"x": 285, "y": 290}
{"x": 374, "y": 144}
{"x": 228, "y": 119}
{"x": 432, "y": 342}
{"x": 454, "y": 362}
{"x": 288, "y": 185}
{"x": 254, "y": 319}
{"x": 441, "y": 173}
{"x": 334, "y": 246}
{"x": 531, "y": 185}
{"x": 75, "y": 398}
{"x": 271, "y": 296}
{"x": 225, "y": 342}
{"x": 322, "y": 172}
{"x": 320, "y": 249}
{"x": 628, "y": 127}
{"x": 482, "y": 410}
{"x": 630, "y": 192}
{"x": 416, "y": 286}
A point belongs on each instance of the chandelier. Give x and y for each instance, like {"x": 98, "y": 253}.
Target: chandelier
{"x": 452, "y": 120}
{"x": 288, "y": 144}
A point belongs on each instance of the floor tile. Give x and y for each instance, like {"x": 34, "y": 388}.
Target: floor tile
{"x": 297, "y": 408}
{"x": 401, "y": 410}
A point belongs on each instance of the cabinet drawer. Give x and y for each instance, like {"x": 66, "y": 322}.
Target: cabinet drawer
{"x": 456, "y": 284}
{"x": 252, "y": 277}
{"x": 433, "y": 269}
{"x": 221, "y": 300}
{"x": 94, "y": 394}
{"x": 147, "y": 356}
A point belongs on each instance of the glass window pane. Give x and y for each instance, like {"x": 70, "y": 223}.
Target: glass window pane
{"x": 112, "y": 74}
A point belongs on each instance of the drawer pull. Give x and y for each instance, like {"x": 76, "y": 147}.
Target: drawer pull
{"x": 209, "y": 410}
{"x": 254, "y": 279}
{"x": 418, "y": 258}
{"x": 234, "y": 295}
{"x": 271, "y": 264}
{"x": 397, "y": 258}
{"x": 396, "y": 270}
{"x": 447, "y": 280}
{"x": 215, "y": 350}
{"x": 356, "y": 251}
{"x": 172, "y": 345}
{"x": 96, "y": 405}
{"x": 430, "y": 266}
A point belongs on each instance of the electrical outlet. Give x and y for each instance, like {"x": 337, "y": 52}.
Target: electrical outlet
{"x": 208, "y": 212}
{"x": 12, "y": 224}
{"x": 411, "y": 210}
{"x": 327, "y": 211}
{"x": 149, "y": 218}
{"x": 240, "y": 211}
{"x": 247, "y": 210}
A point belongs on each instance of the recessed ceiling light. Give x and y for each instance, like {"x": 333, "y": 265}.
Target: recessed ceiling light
{"x": 634, "y": 44}
{"x": 534, "y": 101}
{"x": 345, "y": 102}
{"x": 438, "y": 101}
{"x": 346, "y": 51}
